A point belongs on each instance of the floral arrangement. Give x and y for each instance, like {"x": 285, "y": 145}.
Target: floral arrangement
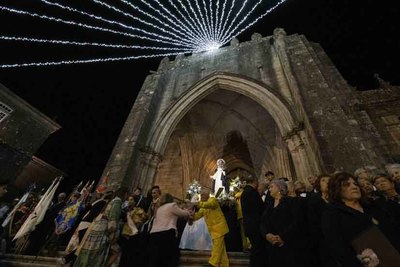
{"x": 194, "y": 188}
{"x": 235, "y": 184}
{"x": 368, "y": 258}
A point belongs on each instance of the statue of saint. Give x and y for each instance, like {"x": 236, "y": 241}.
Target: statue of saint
{"x": 219, "y": 176}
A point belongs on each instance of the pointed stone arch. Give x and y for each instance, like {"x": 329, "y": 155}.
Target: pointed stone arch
{"x": 289, "y": 125}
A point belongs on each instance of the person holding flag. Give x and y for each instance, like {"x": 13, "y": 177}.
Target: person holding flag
{"x": 38, "y": 213}
{"x": 65, "y": 221}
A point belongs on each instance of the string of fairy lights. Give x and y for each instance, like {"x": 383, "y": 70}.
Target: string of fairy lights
{"x": 155, "y": 28}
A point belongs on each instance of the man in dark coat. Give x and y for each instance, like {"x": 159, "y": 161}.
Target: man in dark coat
{"x": 252, "y": 209}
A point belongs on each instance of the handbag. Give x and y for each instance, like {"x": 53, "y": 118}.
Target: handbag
{"x": 373, "y": 246}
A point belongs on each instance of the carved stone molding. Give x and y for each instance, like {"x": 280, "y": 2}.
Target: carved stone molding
{"x": 149, "y": 157}
{"x": 295, "y": 131}
{"x": 295, "y": 143}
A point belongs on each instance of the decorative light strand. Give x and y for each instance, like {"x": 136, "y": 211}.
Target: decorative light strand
{"x": 234, "y": 19}
{"x": 216, "y": 19}
{"x": 162, "y": 23}
{"x": 208, "y": 36}
{"x": 202, "y": 27}
{"x": 193, "y": 23}
{"x": 181, "y": 26}
{"x": 184, "y": 18}
{"x": 82, "y": 61}
{"x": 161, "y": 14}
{"x": 83, "y": 25}
{"x": 207, "y": 17}
{"x": 68, "y": 8}
{"x": 244, "y": 18}
{"x": 256, "y": 20}
{"x": 221, "y": 19}
{"x": 190, "y": 33}
{"x": 212, "y": 20}
{"x": 64, "y": 42}
{"x": 227, "y": 17}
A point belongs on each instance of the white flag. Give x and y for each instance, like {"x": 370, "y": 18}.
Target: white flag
{"x": 38, "y": 213}
{"x": 11, "y": 214}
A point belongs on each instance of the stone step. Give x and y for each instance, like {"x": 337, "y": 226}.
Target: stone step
{"x": 13, "y": 263}
{"x": 203, "y": 253}
{"x": 188, "y": 259}
{"x": 200, "y": 258}
{"x": 29, "y": 261}
{"x": 60, "y": 253}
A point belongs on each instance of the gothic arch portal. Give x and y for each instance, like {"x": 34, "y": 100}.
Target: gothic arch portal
{"x": 290, "y": 127}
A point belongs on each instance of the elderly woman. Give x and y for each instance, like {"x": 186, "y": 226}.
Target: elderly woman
{"x": 391, "y": 202}
{"x": 282, "y": 226}
{"x": 394, "y": 172}
{"x": 163, "y": 243}
{"x": 368, "y": 188}
{"x": 386, "y": 185}
{"x": 347, "y": 217}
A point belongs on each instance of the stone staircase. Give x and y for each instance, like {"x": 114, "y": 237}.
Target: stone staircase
{"x": 188, "y": 259}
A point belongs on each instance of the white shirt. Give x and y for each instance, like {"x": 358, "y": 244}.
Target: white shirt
{"x": 167, "y": 216}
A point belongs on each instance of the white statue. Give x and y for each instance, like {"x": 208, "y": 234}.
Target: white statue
{"x": 219, "y": 175}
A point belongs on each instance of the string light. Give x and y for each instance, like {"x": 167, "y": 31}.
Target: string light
{"x": 116, "y": 23}
{"x": 177, "y": 26}
{"x": 64, "y": 42}
{"x": 82, "y": 61}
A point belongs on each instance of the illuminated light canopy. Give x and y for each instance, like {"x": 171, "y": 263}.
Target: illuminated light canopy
{"x": 210, "y": 46}
{"x": 171, "y": 27}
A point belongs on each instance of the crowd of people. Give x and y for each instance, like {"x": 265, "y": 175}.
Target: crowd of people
{"x": 339, "y": 219}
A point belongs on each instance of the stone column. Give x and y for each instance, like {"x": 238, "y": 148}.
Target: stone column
{"x": 187, "y": 162}
{"x": 282, "y": 159}
{"x": 298, "y": 152}
{"x": 149, "y": 163}
{"x": 282, "y": 162}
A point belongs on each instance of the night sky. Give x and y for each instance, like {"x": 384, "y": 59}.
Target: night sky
{"x": 92, "y": 101}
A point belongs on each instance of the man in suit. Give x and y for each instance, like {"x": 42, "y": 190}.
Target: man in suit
{"x": 268, "y": 177}
{"x": 252, "y": 209}
{"x": 211, "y": 211}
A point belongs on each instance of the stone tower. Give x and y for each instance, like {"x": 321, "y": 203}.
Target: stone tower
{"x": 273, "y": 103}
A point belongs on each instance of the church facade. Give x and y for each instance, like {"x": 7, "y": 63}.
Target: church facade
{"x": 273, "y": 103}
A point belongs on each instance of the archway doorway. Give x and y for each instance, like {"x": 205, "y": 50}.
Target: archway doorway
{"x": 191, "y": 134}
{"x": 227, "y": 125}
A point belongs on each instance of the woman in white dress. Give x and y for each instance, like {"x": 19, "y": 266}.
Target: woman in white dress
{"x": 196, "y": 235}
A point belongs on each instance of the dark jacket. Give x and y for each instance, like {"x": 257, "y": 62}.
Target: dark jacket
{"x": 94, "y": 211}
{"x": 342, "y": 224}
{"x": 287, "y": 221}
{"x": 252, "y": 210}
{"x": 321, "y": 254}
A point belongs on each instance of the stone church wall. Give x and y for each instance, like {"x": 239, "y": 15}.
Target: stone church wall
{"x": 332, "y": 131}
